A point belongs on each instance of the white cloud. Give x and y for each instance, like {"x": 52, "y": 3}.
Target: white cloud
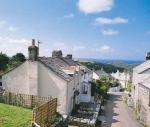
{"x": 77, "y": 48}
{"x": 6, "y": 26}
{"x": 11, "y": 46}
{"x": 103, "y": 49}
{"x": 95, "y": 6}
{"x": 108, "y": 21}
{"x": 12, "y": 28}
{"x": 110, "y": 32}
{"x": 71, "y": 15}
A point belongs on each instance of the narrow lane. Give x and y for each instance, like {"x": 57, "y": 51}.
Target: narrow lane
{"x": 118, "y": 114}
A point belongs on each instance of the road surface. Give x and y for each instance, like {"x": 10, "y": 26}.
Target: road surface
{"x": 118, "y": 114}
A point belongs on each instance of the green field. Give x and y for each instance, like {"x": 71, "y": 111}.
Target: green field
{"x": 12, "y": 116}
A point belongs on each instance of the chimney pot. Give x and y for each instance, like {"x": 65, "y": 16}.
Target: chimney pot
{"x": 69, "y": 56}
{"x": 57, "y": 54}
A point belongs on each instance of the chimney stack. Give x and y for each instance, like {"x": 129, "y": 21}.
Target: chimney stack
{"x": 33, "y": 42}
{"x": 33, "y": 51}
{"x": 57, "y": 54}
{"x": 148, "y": 56}
{"x": 69, "y": 56}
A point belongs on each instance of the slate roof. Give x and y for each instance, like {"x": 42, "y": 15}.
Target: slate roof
{"x": 101, "y": 73}
{"x": 55, "y": 65}
{"x": 142, "y": 67}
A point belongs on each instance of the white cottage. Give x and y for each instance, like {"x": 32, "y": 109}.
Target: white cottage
{"x": 141, "y": 90}
{"x": 124, "y": 78}
{"x": 100, "y": 74}
{"x": 57, "y": 76}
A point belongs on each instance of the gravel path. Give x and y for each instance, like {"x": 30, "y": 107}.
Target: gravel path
{"x": 118, "y": 114}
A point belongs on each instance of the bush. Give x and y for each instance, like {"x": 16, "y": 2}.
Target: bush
{"x": 99, "y": 87}
{"x": 129, "y": 87}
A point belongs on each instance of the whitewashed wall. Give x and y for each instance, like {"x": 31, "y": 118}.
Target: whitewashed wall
{"x": 32, "y": 74}
{"x": 95, "y": 76}
{"x": 136, "y": 79}
{"x": 70, "y": 95}
{"x": 52, "y": 85}
{"x": 17, "y": 80}
{"x": 144, "y": 101}
{"x": 22, "y": 79}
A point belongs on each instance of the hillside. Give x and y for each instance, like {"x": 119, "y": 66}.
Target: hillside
{"x": 121, "y": 64}
{"x": 107, "y": 67}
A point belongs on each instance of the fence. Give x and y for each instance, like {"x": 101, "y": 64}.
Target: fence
{"x": 44, "y": 108}
{"x": 23, "y": 100}
{"x": 44, "y": 115}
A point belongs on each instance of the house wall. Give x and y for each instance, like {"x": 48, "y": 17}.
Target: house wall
{"x": 136, "y": 79}
{"x": 70, "y": 95}
{"x": 32, "y": 74}
{"x": 143, "y": 101}
{"x": 123, "y": 78}
{"x": 95, "y": 76}
{"x": 52, "y": 85}
{"x": 17, "y": 80}
{"x": 22, "y": 79}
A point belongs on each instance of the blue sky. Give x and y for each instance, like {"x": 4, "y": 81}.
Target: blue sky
{"x": 105, "y": 29}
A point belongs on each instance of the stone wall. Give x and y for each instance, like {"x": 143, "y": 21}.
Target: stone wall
{"x": 143, "y": 104}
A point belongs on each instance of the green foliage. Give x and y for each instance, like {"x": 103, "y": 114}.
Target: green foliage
{"x": 12, "y": 116}
{"x": 100, "y": 87}
{"x": 115, "y": 83}
{"x": 107, "y": 67}
{"x": 104, "y": 79}
{"x": 129, "y": 87}
{"x": 19, "y": 57}
{"x": 16, "y": 60}
{"x": 4, "y": 60}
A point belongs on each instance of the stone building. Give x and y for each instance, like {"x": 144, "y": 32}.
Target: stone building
{"x": 57, "y": 76}
{"x": 124, "y": 78}
{"x": 141, "y": 91}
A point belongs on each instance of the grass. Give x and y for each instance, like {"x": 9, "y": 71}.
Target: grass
{"x": 12, "y": 116}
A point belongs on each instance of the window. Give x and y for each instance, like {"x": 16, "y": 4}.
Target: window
{"x": 0, "y": 83}
{"x": 85, "y": 89}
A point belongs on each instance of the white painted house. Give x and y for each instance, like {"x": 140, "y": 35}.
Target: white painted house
{"x": 57, "y": 76}
{"x": 141, "y": 90}
{"x": 100, "y": 74}
{"x": 122, "y": 77}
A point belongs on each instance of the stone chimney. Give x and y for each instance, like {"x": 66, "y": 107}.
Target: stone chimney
{"x": 69, "y": 56}
{"x": 148, "y": 56}
{"x": 33, "y": 51}
{"x": 57, "y": 54}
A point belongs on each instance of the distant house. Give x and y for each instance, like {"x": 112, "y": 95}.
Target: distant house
{"x": 100, "y": 74}
{"x": 141, "y": 90}
{"x": 123, "y": 77}
{"x": 57, "y": 76}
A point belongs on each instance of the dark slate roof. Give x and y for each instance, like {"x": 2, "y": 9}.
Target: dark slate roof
{"x": 101, "y": 72}
{"x": 70, "y": 62}
{"x": 55, "y": 64}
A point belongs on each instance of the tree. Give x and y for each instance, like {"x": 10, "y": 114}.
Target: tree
{"x": 4, "y": 60}
{"x": 16, "y": 59}
{"x": 19, "y": 57}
